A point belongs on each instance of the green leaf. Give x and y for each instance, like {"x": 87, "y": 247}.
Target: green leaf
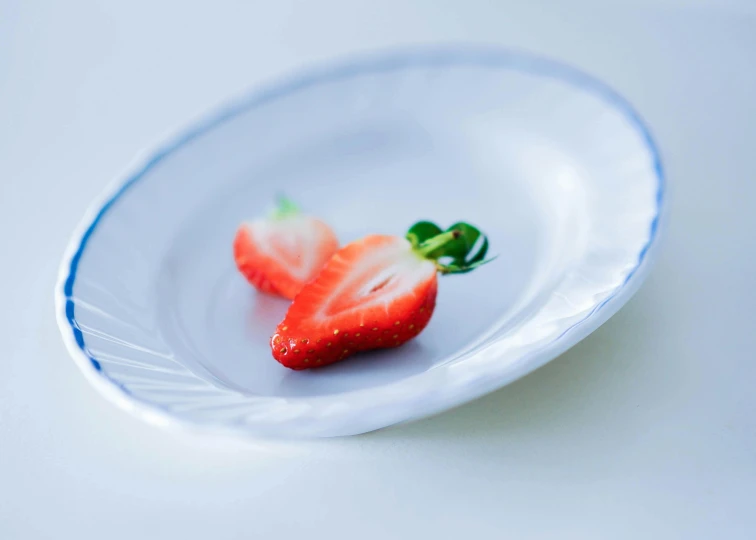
{"x": 459, "y": 248}
{"x": 422, "y": 231}
{"x": 481, "y": 254}
{"x": 457, "y": 269}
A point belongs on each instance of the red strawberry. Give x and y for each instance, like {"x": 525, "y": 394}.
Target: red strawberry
{"x": 374, "y": 293}
{"x": 281, "y": 253}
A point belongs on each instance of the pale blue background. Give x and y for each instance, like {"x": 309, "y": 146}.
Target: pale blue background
{"x": 645, "y": 430}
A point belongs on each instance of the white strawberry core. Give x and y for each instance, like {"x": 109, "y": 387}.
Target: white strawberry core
{"x": 381, "y": 277}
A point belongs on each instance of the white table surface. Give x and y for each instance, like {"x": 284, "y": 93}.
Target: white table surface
{"x": 647, "y": 429}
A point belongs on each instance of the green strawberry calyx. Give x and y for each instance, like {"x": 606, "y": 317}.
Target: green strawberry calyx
{"x": 285, "y": 208}
{"x": 459, "y": 249}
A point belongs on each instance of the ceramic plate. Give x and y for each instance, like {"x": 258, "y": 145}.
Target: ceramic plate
{"x": 555, "y": 166}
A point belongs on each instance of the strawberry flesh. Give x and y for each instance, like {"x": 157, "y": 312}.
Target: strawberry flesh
{"x": 374, "y": 293}
{"x": 280, "y": 255}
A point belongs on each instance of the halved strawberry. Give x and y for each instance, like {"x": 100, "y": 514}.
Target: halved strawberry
{"x": 281, "y": 253}
{"x": 374, "y": 293}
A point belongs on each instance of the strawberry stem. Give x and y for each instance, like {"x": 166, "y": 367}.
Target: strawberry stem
{"x": 436, "y": 242}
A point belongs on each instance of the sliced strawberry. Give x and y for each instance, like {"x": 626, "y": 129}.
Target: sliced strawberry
{"x": 281, "y": 253}
{"x": 374, "y": 293}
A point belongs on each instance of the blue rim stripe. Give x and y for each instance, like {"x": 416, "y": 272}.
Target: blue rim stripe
{"x": 474, "y": 56}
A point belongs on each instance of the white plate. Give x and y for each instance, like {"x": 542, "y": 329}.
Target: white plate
{"x": 556, "y": 167}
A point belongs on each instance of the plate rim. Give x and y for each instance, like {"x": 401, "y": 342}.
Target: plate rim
{"x": 506, "y": 58}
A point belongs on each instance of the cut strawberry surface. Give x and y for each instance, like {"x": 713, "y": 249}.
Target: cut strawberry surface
{"x": 280, "y": 254}
{"x": 374, "y": 293}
